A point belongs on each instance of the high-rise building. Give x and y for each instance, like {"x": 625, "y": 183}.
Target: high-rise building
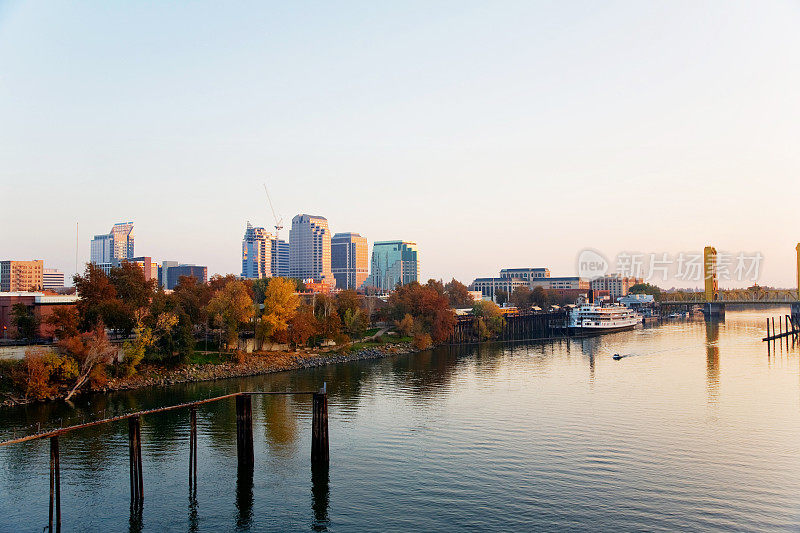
{"x": 310, "y": 249}
{"x": 393, "y": 263}
{"x": 52, "y": 279}
{"x": 114, "y": 246}
{"x": 21, "y": 276}
{"x": 349, "y": 262}
{"x": 263, "y": 254}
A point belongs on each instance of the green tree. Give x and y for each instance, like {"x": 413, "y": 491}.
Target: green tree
{"x": 646, "y": 288}
{"x": 23, "y": 319}
{"x": 488, "y": 319}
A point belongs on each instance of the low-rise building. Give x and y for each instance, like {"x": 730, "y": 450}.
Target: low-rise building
{"x": 618, "y": 286}
{"x": 52, "y": 279}
{"x": 489, "y": 287}
{"x": 21, "y": 275}
{"x": 40, "y": 303}
{"x": 525, "y": 273}
{"x": 567, "y": 282}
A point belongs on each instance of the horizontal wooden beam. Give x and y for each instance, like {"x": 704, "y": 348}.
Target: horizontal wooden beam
{"x": 61, "y": 431}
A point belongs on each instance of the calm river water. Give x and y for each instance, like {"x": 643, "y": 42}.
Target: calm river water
{"x": 697, "y": 428}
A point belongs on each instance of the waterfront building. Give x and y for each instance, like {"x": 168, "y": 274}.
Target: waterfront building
{"x": 489, "y": 287}
{"x": 616, "y": 285}
{"x": 113, "y": 247}
{"x": 170, "y": 272}
{"x": 310, "y": 249}
{"x": 41, "y": 305}
{"x": 561, "y": 283}
{"x": 52, "y": 279}
{"x": 393, "y": 263}
{"x": 21, "y": 275}
{"x": 263, "y": 254}
{"x": 525, "y": 273}
{"x": 349, "y": 262}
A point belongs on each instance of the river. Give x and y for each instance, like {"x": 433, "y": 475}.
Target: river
{"x": 696, "y": 428}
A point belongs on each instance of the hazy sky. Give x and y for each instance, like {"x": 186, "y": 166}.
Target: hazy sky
{"x": 492, "y": 133}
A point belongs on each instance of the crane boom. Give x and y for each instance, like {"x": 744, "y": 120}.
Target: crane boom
{"x": 278, "y": 221}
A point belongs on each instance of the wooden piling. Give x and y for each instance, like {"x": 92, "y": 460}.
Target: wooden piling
{"x": 319, "y": 428}
{"x": 244, "y": 429}
{"x": 768, "y": 328}
{"x": 192, "y": 446}
{"x": 135, "y": 459}
{"x": 55, "y": 484}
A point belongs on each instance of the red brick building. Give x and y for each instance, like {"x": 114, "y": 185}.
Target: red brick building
{"x": 42, "y": 304}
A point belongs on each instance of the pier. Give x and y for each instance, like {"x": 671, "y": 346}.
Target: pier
{"x": 244, "y": 444}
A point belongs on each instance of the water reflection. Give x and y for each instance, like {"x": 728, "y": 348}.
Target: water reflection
{"x": 244, "y": 496}
{"x": 712, "y": 361}
{"x": 135, "y": 523}
{"x": 280, "y": 424}
{"x": 320, "y": 496}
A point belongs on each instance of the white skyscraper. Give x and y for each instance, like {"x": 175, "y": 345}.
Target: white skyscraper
{"x": 263, "y": 255}
{"x": 310, "y": 249}
{"x": 114, "y": 246}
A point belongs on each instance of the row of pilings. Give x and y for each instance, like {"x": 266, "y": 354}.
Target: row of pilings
{"x": 244, "y": 446}
{"x": 517, "y": 326}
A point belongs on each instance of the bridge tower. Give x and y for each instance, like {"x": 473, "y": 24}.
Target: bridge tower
{"x": 710, "y": 273}
{"x": 712, "y": 308}
{"x": 796, "y": 305}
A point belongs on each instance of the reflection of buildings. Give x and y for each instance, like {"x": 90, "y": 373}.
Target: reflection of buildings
{"x": 712, "y": 360}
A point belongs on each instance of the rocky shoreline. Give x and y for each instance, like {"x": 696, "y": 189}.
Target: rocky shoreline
{"x": 253, "y": 365}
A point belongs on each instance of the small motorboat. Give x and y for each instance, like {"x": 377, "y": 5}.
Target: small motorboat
{"x": 616, "y": 357}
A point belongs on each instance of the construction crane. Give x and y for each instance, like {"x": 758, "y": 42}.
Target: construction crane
{"x": 278, "y": 221}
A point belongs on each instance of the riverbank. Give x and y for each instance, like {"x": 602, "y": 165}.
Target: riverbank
{"x": 252, "y": 364}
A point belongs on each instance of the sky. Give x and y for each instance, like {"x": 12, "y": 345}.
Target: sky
{"x": 494, "y": 134}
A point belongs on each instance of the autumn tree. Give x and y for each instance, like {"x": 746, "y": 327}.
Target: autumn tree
{"x": 64, "y": 320}
{"x": 280, "y": 304}
{"x": 488, "y": 319}
{"x": 92, "y": 352}
{"x": 429, "y": 309}
{"x": 458, "y": 294}
{"x": 522, "y": 298}
{"x": 302, "y": 326}
{"x": 230, "y": 307}
{"x": 95, "y": 290}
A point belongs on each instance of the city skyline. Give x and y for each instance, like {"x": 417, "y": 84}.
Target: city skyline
{"x": 449, "y": 124}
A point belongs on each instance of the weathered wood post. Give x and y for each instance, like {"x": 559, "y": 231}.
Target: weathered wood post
{"x": 135, "y": 459}
{"x": 192, "y": 446}
{"x": 244, "y": 429}
{"x": 768, "y": 328}
{"x": 319, "y": 427}
{"x": 55, "y": 484}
